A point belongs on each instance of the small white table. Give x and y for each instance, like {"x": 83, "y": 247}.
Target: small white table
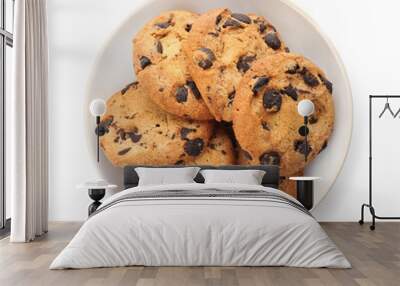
{"x": 96, "y": 190}
{"x": 305, "y": 190}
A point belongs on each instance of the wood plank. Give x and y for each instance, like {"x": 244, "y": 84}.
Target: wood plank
{"x": 375, "y": 257}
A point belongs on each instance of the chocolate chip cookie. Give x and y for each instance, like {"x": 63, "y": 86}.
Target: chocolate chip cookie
{"x": 220, "y": 48}
{"x": 219, "y": 151}
{"x": 265, "y": 118}
{"x": 137, "y": 131}
{"x": 161, "y": 66}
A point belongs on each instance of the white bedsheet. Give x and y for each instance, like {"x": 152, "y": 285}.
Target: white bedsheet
{"x": 200, "y": 231}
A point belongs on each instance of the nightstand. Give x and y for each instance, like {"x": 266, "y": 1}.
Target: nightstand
{"x": 96, "y": 190}
{"x": 305, "y": 190}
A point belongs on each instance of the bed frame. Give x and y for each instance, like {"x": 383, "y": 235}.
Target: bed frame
{"x": 271, "y": 178}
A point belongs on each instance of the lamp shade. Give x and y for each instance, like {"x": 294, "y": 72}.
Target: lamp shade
{"x": 305, "y": 107}
{"x": 97, "y": 107}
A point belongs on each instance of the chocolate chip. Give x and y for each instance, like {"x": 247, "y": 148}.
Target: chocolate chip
{"x": 265, "y": 125}
{"x": 244, "y": 62}
{"x": 312, "y": 119}
{"x": 262, "y": 27}
{"x": 231, "y": 97}
{"x": 121, "y": 133}
{"x": 272, "y": 41}
{"x": 303, "y": 130}
{"x": 185, "y": 131}
{"x": 124, "y": 151}
{"x": 218, "y": 19}
{"x": 293, "y": 69}
{"x": 231, "y": 23}
{"x": 300, "y": 146}
{"x": 287, "y": 50}
{"x": 207, "y": 62}
{"x": 272, "y": 100}
{"x": 303, "y": 91}
{"x": 212, "y": 146}
{"x": 163, "y": 25}
{"x": 133, "y": 115}
{"x": 309, "y": 78}
{"x": 214, "y": 34}
{"x": 188, "y": 27}
{"x": 241, "y": 17}
{"x": 327, "y": 83}
{"x": 181, "y": 94}
{"x": 247, "y": 155}
{"x": 209, "y": 52}
{"x": 270, "y": 158}
{"x": 135, "y": 137}
{"x": 260, "y": 82}
{"x": 125, "y": 89}
{"x": 144, "y": 62}
{"x": 180, "y": 162}
{"x": 194, "y": 147}
{"x": 191, "y": 84}
{"x": 159, "y": 47}
{"x": 291, "y": 92}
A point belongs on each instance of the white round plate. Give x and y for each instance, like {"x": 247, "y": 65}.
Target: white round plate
{"x": 113, "y": 70}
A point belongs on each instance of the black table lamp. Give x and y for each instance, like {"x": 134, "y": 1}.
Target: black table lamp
{"x": 305, "y": 108}
{"x": 98, "y": 108}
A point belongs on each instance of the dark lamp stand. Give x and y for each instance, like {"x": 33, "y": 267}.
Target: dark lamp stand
{"x": 98, "y": 137}
{"x": 305, "y": 137}
{"x": 100, "y": 131}
{"x": 96, "y": 195}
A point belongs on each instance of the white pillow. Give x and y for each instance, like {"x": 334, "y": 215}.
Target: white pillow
{"x": 248, "y": 177}
{"x": 163, "y": 176}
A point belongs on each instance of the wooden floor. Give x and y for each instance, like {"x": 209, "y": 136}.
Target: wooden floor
{"x": 375, "y": 257}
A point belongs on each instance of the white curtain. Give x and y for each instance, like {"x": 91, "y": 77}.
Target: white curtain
{"x": 26, "y": 129}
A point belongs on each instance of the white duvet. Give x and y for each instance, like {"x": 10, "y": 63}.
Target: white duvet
{"x": 200, "y": 231}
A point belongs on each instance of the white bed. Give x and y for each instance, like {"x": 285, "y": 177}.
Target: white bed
{"x": 185, "y": 230}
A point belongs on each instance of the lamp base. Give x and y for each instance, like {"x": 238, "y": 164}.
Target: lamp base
{"x": 96, "y": 195}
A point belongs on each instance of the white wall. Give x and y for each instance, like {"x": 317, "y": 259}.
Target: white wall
{"x": 364, "y": 32}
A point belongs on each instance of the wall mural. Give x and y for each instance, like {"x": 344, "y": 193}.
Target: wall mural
{"x": 220, "y": 88}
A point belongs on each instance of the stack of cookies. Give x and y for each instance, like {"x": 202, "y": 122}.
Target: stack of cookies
{"x": 219, "y": 88}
